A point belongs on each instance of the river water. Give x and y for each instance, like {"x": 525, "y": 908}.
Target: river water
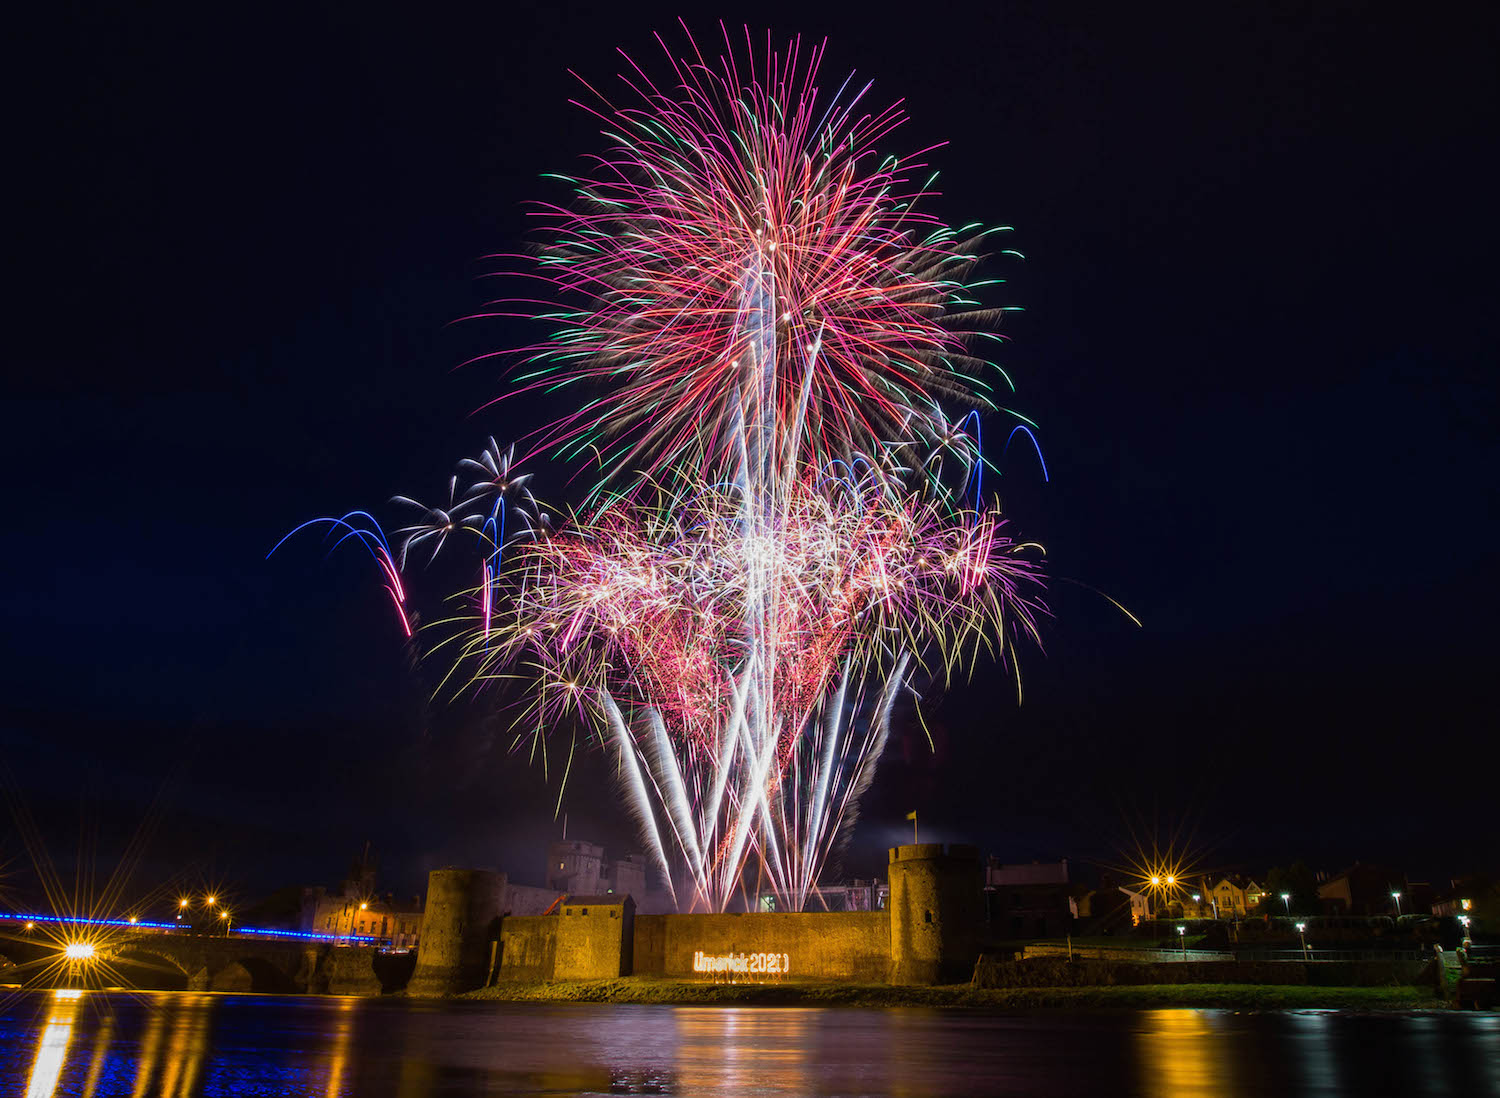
{"x": 102, "y": 1045}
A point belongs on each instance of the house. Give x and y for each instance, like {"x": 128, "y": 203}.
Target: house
{"x": 1362, "y": 890}
{"x": 1234, "y": 896}
{"x": 1028, "y": 900}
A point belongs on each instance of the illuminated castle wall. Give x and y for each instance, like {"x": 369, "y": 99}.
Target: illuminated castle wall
{"x": 929, "y": 934}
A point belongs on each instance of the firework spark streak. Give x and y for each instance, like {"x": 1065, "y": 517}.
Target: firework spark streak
{"x": 786, "y": 531}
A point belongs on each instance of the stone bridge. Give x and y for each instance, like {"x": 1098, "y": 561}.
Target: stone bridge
{"x": 267, "y": 965}
{"x": 270, "y": 966}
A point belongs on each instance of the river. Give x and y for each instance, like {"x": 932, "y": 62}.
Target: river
{"x": 103, "y": 1045}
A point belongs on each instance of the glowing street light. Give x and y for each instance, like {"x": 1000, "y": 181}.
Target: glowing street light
{"x": 1182, "y": 937}
{"x": 1397, "y": 897}
{"x": 1301, "y": 927}
{"x": 228, "y": 922}
{"x": 78, "y": 951}
{"x": 1286, "y": 898}
{"x": 363, "y": 906}
{"x": 210, "y": 901}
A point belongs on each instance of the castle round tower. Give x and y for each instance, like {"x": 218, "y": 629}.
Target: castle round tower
{"x": 454, "y": 950}
{"x": 935, "y": 907}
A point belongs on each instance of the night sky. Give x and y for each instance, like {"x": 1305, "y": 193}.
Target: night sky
{"x": 1259, "y": 295}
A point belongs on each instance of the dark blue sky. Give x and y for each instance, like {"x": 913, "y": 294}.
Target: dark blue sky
{"x": 1259, "y": 292}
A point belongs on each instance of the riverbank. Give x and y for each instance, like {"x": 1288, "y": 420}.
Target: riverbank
{"x": 964, "y": 996}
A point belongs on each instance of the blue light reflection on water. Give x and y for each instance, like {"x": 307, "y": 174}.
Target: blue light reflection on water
{"x": 99, "y": 1045}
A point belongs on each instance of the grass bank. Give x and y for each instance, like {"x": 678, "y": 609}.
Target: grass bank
{"x": 1146, "y": 996}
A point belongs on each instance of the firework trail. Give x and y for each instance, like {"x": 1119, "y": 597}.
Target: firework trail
{"x": 786, "y": 530}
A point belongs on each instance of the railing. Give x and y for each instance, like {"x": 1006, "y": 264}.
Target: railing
{"x": 1116, "y": 953}
{"x": 1333, "y": 955}
{"x": 1119, "y": 953}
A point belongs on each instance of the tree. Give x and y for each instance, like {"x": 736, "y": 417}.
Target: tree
{"x": 1299, "y": 882}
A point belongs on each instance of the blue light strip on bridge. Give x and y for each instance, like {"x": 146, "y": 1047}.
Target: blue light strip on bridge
{"x": 138, "y": 925}
{"x": 90, "y": 922}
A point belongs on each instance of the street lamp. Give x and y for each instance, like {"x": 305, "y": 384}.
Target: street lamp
{"x": 1301, "y": 928}
{"x": 1182, "y": 937}
{"x": 228, "y": 922}
{"x": 1397, "y": 897}
{"x": 1464, "y": 919}
{"x": 1286, "y": 898}
{"x": 362, "y": 906}
{"x": 181, "y": 907}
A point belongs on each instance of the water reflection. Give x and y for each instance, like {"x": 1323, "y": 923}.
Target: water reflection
{"x": 177, "y": 1045}
{"x": 735, "y": 1049}
{"x": 343, "y": 1031}
{"x": 52, "y": 1045}
{"x": 1178, "y": 1059}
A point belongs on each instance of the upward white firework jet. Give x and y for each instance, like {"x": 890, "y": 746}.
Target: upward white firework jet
{"x": 788, "y": 530}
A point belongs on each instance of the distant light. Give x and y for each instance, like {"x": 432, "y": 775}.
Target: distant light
{"x": 210, "y": 901}
{"x": 30, "y": 925}
{"x": 78, "y": 951}
{"x": 1182, "y": 930}
{"x": 1171, "y": 880}
{"x": 182, "y": 903}
{"x": 362, "y": 906}
{"x": 1156, "y": 880}
{"x": 1465, "y": 904}
{"x": 1196, "y": 897}
{"x": 1395, "y": 895}
{"x": 132, "y": 919}
{"x": 1301, "y": 927}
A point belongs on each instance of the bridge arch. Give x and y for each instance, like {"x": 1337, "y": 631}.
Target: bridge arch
{"x": 140, "y": 966}
{"x": 252, "y": 973}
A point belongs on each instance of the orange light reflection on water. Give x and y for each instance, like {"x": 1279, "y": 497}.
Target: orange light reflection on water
{"x": 1177, "y": 1055}
{"x": 734, "y": 1050}
{"x": 52, "y": 1045}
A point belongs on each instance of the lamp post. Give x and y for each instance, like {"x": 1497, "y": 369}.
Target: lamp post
{"x": 1286, "y": 898}
{"x": 1182, "y": 938}
{"x": 1464, "y": 919}
{"x": 1301, "y": 928}
{"x": 228, "y": 922}
{"x": 1397, "y": 897}
{"x": 181, "y": 907}
{"x": 362, "y": 906}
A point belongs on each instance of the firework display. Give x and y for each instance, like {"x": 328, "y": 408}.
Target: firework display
{"x": 778, "y": 360}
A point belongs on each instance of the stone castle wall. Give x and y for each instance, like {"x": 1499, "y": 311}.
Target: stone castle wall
{"x": 839, "y": 945}
{"x": 930, "y": 934}
{"x": 528, "y": 947}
